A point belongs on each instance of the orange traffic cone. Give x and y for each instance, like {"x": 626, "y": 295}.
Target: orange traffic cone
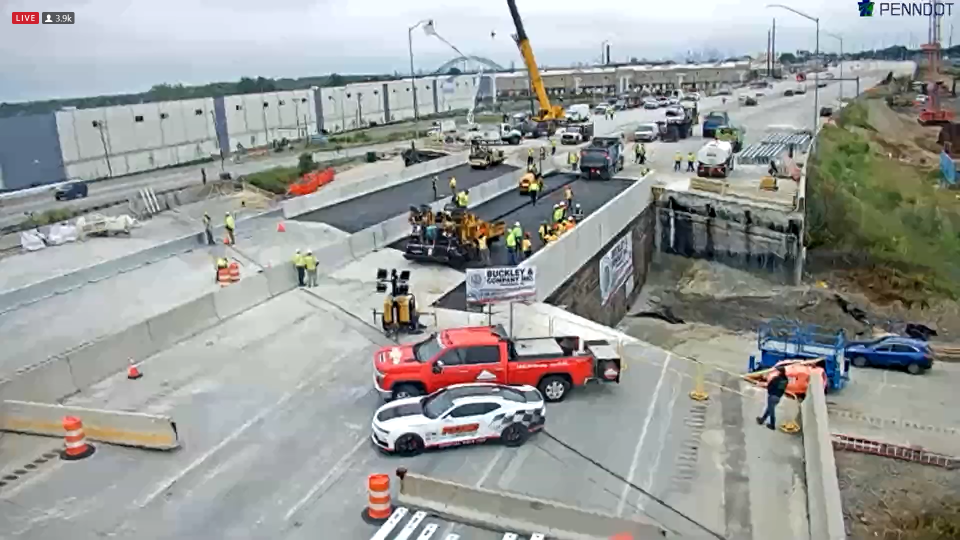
{"x": 226, "y": 240}
{"x": 281, "y": 228}
{"x": 132, "y": 372}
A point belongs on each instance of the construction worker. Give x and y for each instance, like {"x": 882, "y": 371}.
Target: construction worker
{"x": 231, "y": 225}
{"x": 484, "y": 249}
{"x": 568, "y": 195}
{"x": 433, "y": 183}
{"x": 691, "y": 159}
{"x": 203, "y": 175}
{"x": 636, "y": 153}
{"x": 534, "y": 190}
{"x": 207, "y": 229}
{"x": 526, "y": 246}
{"x": 577, "y": 213}
{"x": 299, "y": 263}
{"x": 775, "y": 390}
{"x": 573, "y": 160}
{"x": 543, "y": 231}
{"x": 453, "y": 186}
{"x": 529, "y": 157}
{"x": 557, "y": 213}
{"x": 222, "y": 264}
{"x": 553, "y": 147}
{"x": 511, "y": 242}
{"x": 517, "y": 231}
{"x": 569, "y": 223}
{"x": 677, "y": 160}
{"x": 310, "y": 266}
{"x": 643, "y": 154}
{"x": 463, "y": 199}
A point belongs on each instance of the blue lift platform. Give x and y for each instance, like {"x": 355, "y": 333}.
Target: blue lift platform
{"x": 787, "y": 340}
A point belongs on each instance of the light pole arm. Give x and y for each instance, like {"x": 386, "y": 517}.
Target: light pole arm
{"x": 798, "y": 12}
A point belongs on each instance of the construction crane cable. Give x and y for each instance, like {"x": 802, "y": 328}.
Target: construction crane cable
{"x": 658, "y": 500}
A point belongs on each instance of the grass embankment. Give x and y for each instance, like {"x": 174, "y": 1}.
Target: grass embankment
{"x": 889, "y": 212}
{"x": 276, "y": 180}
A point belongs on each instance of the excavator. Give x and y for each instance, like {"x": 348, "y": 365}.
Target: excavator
{"x": 548, "y": 112}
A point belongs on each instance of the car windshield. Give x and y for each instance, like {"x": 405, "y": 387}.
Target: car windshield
{"x": 715, "y": 116}
{"x": 427, "y": 349}
{"x": 644, "y": 129}
{"x": 436, "y": 404}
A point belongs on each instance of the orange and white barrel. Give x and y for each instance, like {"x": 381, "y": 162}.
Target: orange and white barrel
{"x": 223, "y": 276}
{"x": 75, "y": 441}
{"x": 378, "y": 498}
{"x": 234, "y": 272}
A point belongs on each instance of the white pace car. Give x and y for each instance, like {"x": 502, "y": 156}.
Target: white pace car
{"x": 457, "y": 415}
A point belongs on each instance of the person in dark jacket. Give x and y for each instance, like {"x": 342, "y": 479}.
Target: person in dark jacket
{"x": 775, "y": 389}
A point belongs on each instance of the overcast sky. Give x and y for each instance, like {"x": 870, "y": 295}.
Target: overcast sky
{"x": 119, "y": 46}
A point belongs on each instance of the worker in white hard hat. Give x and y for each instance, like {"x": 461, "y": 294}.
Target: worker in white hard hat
{"x": 298, "y": 263}
{"x": 230, "y": 225}
{"x": 310, "y": 264}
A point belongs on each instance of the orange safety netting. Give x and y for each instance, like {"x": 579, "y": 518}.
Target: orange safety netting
{"x": 311, "y": 182}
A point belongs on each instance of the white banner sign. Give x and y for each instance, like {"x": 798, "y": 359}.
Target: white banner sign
{"x": 616, "y": 267}
{"x": 500, "y": 284}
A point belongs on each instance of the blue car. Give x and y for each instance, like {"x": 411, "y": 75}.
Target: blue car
{"x": 913, "y": 355}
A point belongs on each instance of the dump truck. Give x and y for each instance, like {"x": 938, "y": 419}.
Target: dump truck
{"x": 449, "y": 236}
{"x": 715, "y": 159}
{"x": 482, "y": 156}
{"x": 603, "y": 158}
{"x": 732, "y": 135}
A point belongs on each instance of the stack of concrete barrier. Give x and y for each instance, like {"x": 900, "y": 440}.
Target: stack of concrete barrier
{"x": 72, "y": 371}
{"x": 824, "y": 506}
{"x": 500, "y": 510}
{"x": 335, "y": 194}
{"x": 559, "y": 261}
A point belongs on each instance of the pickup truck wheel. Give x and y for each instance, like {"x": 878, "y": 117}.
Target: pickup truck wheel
{"x": 554, "y": 388}
{"x": 859, "y": 361}
{"x": 402, "y": 391}
{"x": 409, "y": 444}
{"x": 514, "y": 435}
{"x": 914, "y": 369}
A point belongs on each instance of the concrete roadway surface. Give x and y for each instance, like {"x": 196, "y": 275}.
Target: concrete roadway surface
{"x": 358, "y": 214}
{"x": 13, "y": 207}
{"x": 275, "y": 415}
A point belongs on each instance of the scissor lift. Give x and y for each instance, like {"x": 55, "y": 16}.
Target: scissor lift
{"x": 787, "y": 340}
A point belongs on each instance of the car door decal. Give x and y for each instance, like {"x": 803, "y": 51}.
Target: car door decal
{"x": 462, "y": 429}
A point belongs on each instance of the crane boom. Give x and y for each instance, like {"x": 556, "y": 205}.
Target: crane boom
{"x": 547, "y": 111}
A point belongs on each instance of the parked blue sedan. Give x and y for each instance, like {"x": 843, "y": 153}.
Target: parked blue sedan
{"x": 912, "y": 354}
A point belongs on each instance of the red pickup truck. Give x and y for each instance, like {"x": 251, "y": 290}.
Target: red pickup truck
{"x": 486, "y": 354}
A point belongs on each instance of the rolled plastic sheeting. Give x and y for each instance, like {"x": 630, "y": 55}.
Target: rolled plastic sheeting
{"x": 112, "y": 427}
{"x": 528, "y": 515}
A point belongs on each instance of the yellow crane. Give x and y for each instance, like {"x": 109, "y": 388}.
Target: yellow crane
{"x": 547, "y": 111}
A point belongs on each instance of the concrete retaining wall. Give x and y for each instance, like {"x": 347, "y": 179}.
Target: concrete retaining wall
{"x": 823, "y": 490}
{"x": 559, "y": 261}
{"x": 336, "y": 194}
{"x": 500, "y": 510}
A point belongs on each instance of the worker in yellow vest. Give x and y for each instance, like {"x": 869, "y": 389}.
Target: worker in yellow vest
{"x": 691, "y": 159}
{"x": 553, "y": 147}
{"x": 484, "y": 249}
{"x": 230, "y": 225}
{"x": 573, "y": 161}
{"x": 453, "y": 186}
{"x": 511, "y": 242}
{"x": 526, "y": 246}
{"x": 568, "y": 195}
{"x": 557, "y": 213}
{"x": 310, "y": 266}
{"x": 463, "y": 199}
{"x": 529, "y": 157}
{"x": 299, "y": 264}
{"x": 543, "y": 231}
{"x": 677, "y": 160}
{"x": 534, "y": 190}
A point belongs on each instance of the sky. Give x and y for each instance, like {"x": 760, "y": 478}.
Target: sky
{"x": 120, "y": 46}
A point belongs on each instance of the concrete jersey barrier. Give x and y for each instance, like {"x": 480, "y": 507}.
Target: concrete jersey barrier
{"x": 824, "y": 506}
{"x": 113, "y": 427}
{"x": 336, "y": 194}
{"x": 559, "y": 261}
{"x": 529, "y": 515}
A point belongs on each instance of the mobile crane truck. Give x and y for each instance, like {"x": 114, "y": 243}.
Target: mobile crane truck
{"x": 548, "y": 113}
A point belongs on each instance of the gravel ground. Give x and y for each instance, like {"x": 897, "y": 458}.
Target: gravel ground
{"x": 886, "y": 499}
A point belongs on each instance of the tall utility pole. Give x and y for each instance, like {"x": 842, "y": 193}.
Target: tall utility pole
{"x": 769, "y": 56}
{"x": 773, "y": 47}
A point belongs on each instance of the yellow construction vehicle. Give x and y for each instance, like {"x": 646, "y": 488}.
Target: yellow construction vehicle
{"x": 547, "y": 112}
{"x": 529, "y": 178}
{"x": 482, "y": 156}
{"x": 449, "y": 237}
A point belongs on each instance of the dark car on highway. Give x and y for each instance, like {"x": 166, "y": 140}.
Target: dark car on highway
{"x": 70, "y": 191}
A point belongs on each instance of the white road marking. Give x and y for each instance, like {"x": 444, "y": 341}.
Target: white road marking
{"x": 648, "y": 484}
{"x": 336, "y": 470}
{"x": 643, "y": 436}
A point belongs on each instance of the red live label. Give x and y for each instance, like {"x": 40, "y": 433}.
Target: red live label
{"x": 26, "y": 17}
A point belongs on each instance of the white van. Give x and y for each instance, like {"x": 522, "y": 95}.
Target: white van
{"x": 578, "y": 113}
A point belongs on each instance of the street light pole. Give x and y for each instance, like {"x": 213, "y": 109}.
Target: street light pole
{"x": 840, "y": 38}
{"x": 816, "y": 57}
{"x": 413, "y": 76}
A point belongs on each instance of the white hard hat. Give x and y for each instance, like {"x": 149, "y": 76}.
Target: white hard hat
{"x": 309, "y": 252}
{"x": 298, "y": 251}
{"x": 517, "y": 224}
